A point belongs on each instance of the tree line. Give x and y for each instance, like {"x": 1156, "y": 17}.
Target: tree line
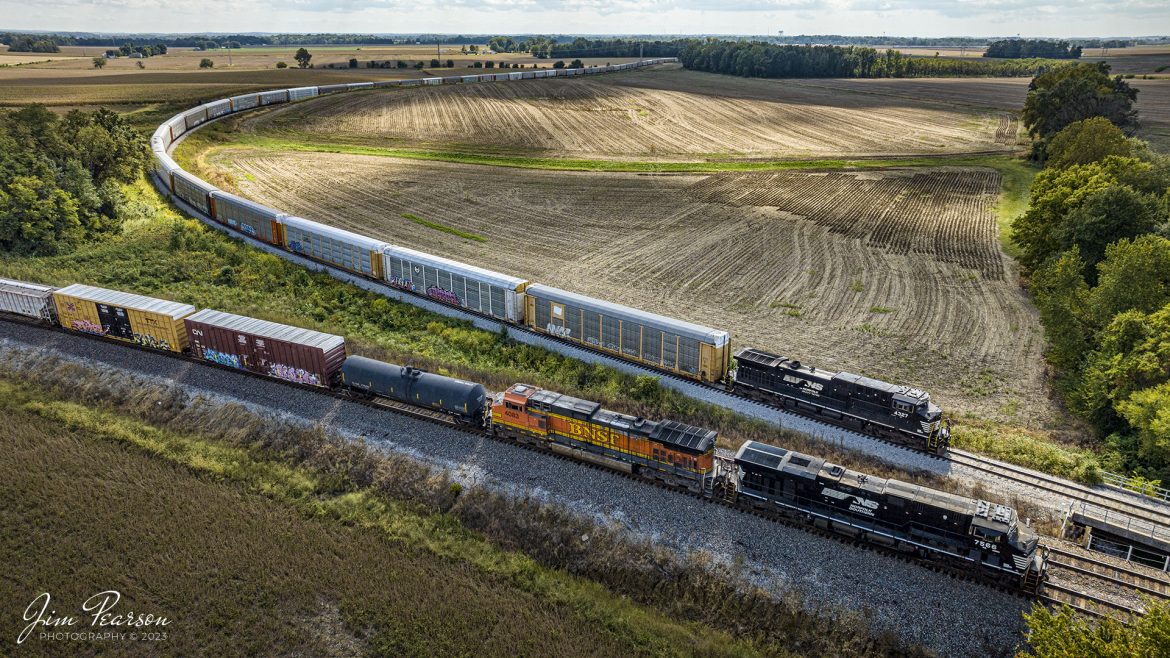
{"x": 1095, "y": 241}
{"x": 1025, "y": 48}
{"x": 762, "y": 60}
{"x": 60, "y": 177}
{"x": 29, "y": 44}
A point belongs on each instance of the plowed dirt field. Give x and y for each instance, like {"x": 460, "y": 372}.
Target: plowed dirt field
{"x": 666, "y": 114}
{"x": 893, "y": 273}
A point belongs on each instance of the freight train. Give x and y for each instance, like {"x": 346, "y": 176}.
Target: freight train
{"x": 974, "y": 536}
{"x": 669, "y": 345}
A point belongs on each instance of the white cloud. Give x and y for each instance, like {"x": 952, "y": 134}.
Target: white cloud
{"x": 667, "y": 17}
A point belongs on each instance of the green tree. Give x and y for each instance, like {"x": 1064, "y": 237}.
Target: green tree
{"x": 1122, "y": 388}
{"x": 281, "y": 65}
{"x": 1060, "y": 292}
{"x": 450, "y": 63}
{"x": 1135, "y": 275}
{"x": 1057, "y": 192}
{"x": 353, "y": 63}
{"x": 576, "y": 64}
{"x": 1062, "y": 633}
{"x": 1067, "y": 94}
{"x": 99, "y": 62}
{"x": 1103, "y": 217}
{"x": 303, "y": 58}
{"x": 559, "y": 64}
{"x": 1083, "y": 142}
{"x": 206, "y": 63}
{"x": 1148, "y": 412}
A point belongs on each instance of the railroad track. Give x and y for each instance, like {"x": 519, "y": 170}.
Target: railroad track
{"x": 1084, "y": 602}
{"x": 1123, "y": 577}
{"x": 1153, "y": 513}
{"x": 1094, "y": 577}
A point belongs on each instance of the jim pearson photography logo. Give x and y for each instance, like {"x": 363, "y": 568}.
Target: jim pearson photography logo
{"x": 101, "y": 621}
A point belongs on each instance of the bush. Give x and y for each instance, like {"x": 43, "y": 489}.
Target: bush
{"x": 281, "y": 65}
{"x": 206, "y": 63}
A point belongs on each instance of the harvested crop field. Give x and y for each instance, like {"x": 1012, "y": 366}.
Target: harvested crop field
{"x": 893, "y": 273}
{"x": 665, "y": 113}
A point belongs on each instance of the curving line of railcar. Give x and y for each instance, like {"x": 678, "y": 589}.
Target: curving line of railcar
{"x": 894, "y": 412}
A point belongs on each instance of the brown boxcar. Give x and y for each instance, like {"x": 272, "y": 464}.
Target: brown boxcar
{"x": 156, "y": 323}
{"x": 268, "y": 348}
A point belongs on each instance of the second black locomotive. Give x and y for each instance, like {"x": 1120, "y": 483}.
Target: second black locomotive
{"x": 898, "y": 413}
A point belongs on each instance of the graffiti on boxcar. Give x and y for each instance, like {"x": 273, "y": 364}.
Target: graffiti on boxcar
{"x": 298, "y": 375}
{"x": 248, "y": 229}
{"x": 443, "y": 295}
{"x": 400, "y": 283}
{"x": 146, "y": 340}
{"x": 556, "y": 330}
{"x": 87, "y": 326}
{"x": 222, "y": 358}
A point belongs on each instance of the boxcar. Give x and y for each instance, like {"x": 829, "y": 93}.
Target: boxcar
{"x": 354, "y": 86}
{"x": 432, "y": 81}
{"x": 28, "y": 299}
{"x": 330, "y": 89}
{"x": 156, "y": 323}
{"x": 245, "y": 102}
{"x": 192, "y": 190}
{"x": 680, "y": 347}
{"x": 298, "y": 355}
{"x": 335, "y": 246}
{"x": 218, "y": 108}
{"x": 164, "y": 166}
{"x": 455, "y": 283}
{"x": 274, "y": 97}
{"x": 463, "y": 399}
{"x": 301, "y": 93}
{"x": 248, "y": 217}
{"x": 195, "y": 117}
{"x": 468, "y": 79}
{"x": 515, "y": 76}
{"x": 177, "y": 126}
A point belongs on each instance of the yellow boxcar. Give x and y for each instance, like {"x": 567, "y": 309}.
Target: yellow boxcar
{"x": 156, "y": 323}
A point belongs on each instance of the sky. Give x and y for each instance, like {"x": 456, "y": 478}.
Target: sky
{"x": 927, "y": 18}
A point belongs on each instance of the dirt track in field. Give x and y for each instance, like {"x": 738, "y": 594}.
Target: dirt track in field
{"x": 664, "y": 114}
{"x": 895, "y": 274}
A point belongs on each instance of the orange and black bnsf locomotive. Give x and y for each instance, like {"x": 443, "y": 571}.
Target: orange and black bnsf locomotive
{"x": 972, "y": 535}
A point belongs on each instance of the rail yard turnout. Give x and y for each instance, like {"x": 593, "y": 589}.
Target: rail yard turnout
{"x": 901, "y": 525}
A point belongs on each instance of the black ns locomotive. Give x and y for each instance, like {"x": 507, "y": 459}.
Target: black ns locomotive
{"x": 971, "y": 535}
{"x": 897, "y": 413}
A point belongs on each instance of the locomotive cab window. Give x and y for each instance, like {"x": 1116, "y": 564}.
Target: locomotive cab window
{"x": 902, "y": 406}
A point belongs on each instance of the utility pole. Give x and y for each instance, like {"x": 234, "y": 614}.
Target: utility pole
{"x": 438, "y": 53}
{"x": 641, "y": 48}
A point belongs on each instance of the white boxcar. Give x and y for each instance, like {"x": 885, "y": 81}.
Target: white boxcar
{"x": 335, "y": 246}
{"x": 468, "y": 79}
{"x": 432, "y": 81}
{"x": 219, "y": 108}
{"x": 353, "y": 86}
{"x": 274, "y": 97}
{"x": 301, "y": 93}
{"x": 192, "y": 190}
{"x": 668, "y": 343}
{"x": 245, "y": 102}
{"x": 195, "y": 117}
{"x": 178, "y": 126}
{"x": 29, "y": 299}
{"x": 455, "y": 283}
{"x": 515, "y": 76}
